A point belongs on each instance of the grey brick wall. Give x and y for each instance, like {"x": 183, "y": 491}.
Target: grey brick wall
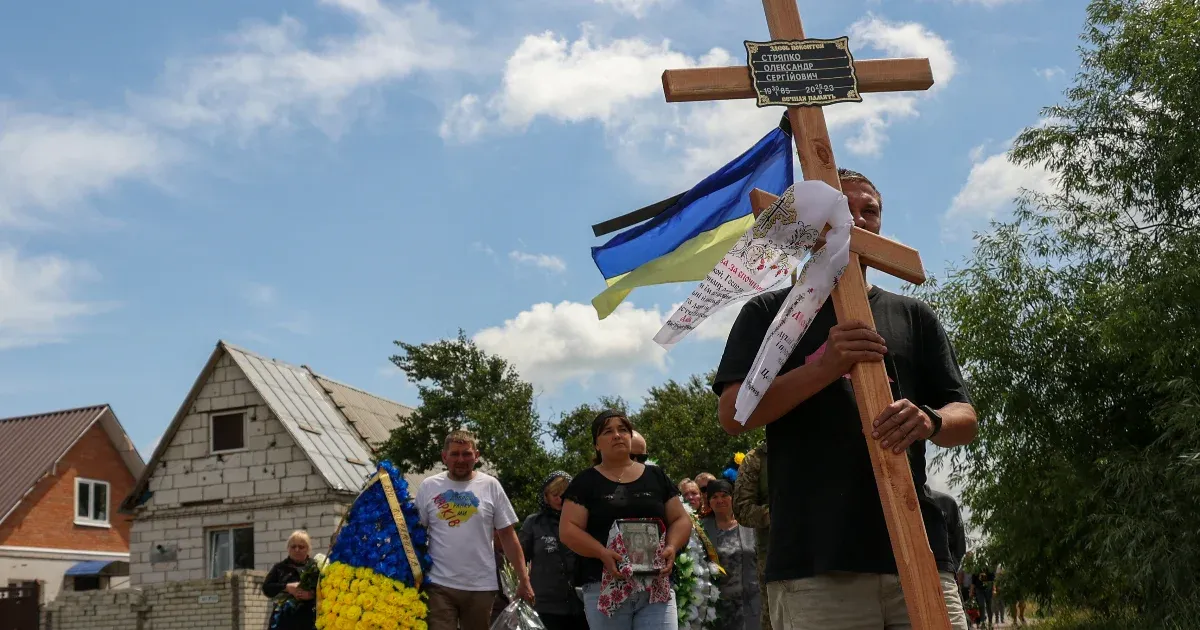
{"x": 232, "y": 602}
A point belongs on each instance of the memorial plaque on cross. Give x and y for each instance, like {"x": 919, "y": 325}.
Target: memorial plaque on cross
{"x": 803, "y": 75}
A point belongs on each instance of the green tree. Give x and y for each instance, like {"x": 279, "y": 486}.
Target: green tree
{"x": 462, "y": 387}
{"x": 1078, "y": 327}
{"x": 683, "y": 434}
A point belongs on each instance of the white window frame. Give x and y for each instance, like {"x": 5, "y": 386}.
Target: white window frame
{"x": 245, "y": 430}
{"x": 89, "y": 520}
{"x": 208, "y": 546}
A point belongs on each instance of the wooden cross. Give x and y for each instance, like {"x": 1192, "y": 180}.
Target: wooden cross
{"x": 918, "y": 571}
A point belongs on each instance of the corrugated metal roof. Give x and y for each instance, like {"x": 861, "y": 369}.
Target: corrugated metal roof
{"x": 310, "y": 417}
{"x": 372, "y": 417}
{"x": 30, "y": 446}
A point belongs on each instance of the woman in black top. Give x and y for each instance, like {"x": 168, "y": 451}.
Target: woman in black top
{"x": 285, "y": 578}
{"x": 620, "y": 488}
{"x": 553, "y": 564}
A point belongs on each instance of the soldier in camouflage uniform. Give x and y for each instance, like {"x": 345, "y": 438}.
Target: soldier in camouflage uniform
{"x": 751, "y": 507}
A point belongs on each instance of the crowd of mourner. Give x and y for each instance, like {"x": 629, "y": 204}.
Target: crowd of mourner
{"x": 794, "y": 541}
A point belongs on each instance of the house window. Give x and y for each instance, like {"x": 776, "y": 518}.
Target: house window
{"x": 228, "y": 432}
{"x": 230, "y": 549}
{"x": 91, "y": 502}
{"x": 86, "y": 583}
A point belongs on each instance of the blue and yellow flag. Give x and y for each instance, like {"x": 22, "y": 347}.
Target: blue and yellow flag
{"x": 690, "y": 232}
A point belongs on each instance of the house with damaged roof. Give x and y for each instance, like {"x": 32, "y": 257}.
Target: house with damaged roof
{"x": 259, "y": 448}
{"x": 62, "y": 476}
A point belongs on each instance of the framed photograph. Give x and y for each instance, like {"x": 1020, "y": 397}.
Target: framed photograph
{"x": 641, "y": 536}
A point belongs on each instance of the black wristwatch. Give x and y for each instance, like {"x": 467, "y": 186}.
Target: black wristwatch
{"x": 934, "y": 417}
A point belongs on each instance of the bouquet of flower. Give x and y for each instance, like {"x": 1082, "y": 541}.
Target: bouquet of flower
{"x": 377, "y": 562}
{"x": 312, "y": 573}
{"x": 518, "y": 615}
{"x": 696, "y": 575}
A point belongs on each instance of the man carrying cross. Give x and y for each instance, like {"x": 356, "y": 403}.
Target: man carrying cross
{"x": 830, "y": 564}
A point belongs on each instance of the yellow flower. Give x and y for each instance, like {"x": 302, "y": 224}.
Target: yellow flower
{"x": 738, "y": 458}
{"x": 366, "y": 601}
{"x": 352, "y": 613}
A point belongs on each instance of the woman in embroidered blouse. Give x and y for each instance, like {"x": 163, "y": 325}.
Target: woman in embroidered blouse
{"x": 740, "y": 605}
{"x": 618, "y": 487}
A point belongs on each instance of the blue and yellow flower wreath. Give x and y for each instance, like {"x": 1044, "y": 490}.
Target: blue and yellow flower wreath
{"x": 377, "y": 562}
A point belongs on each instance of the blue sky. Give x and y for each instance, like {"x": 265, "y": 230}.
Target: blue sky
{"x": 315, "y": 180}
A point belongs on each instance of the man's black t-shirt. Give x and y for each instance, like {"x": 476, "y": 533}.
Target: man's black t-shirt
{"x": 607, "y": 501}
{"x": 825, "y": 509}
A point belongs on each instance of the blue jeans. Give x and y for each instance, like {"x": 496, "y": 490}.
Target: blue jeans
{"x": 637, "y": 613}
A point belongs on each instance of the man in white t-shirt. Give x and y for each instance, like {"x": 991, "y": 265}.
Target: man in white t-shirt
{"x": 462, "y": 509}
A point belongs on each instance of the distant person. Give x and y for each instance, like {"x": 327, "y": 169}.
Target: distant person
{"x": 690, "y": 491}
{"x": 954, "y": 525}
{"x": 702, "y": 480}
{"x": 997, "y": 596}
{"x": 982, "y": 583}
{"x": 465, "y": 511}
{"x": 637, "y": 449}
{"x": 740, "y": 604}
{"x": 751, "y": 507}
{"x": 553, "y": 565}
{"x": 285, "y": 577}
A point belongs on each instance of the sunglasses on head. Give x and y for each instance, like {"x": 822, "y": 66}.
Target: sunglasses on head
{"x": 639, "y": 457}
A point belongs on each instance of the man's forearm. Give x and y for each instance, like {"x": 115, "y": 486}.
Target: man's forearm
{"x": 786, "y": 392}
{"x": 959, "y": 425}
{"x": 512, "y": 551}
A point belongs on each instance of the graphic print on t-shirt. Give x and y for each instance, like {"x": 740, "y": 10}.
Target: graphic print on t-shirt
{"x": 456, "y": 507}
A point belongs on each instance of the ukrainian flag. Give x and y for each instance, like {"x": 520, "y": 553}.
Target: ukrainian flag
{"x": 690, "y": 233}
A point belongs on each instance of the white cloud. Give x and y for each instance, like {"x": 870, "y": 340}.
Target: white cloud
{"x": 541, "y": 261}
{"x": 270, "y": 75}
{"x": 260, "y": 294}
{"x": 298, "y": 323}
{"x": 991, "y": 188}
{"x": 51, "y": 164}
{"x": 618, "y": 84}
{"x": 636, "y": 8}
{"x": 908, "y": 39}
{"x": 580, "y": 80}
{"x": 551, "y": 344}
{"x": 38, "y": 307}
{"x": 464, "y": 121}
{"x": 1049, "y": 74}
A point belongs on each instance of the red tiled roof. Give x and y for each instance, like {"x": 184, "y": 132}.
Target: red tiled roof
{"x": 30, "y": 445}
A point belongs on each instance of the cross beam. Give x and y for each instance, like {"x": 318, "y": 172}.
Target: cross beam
{"x": 875, "y": 251}
{"x": 872, "y": 392}
{"x": 733, "y": 82}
